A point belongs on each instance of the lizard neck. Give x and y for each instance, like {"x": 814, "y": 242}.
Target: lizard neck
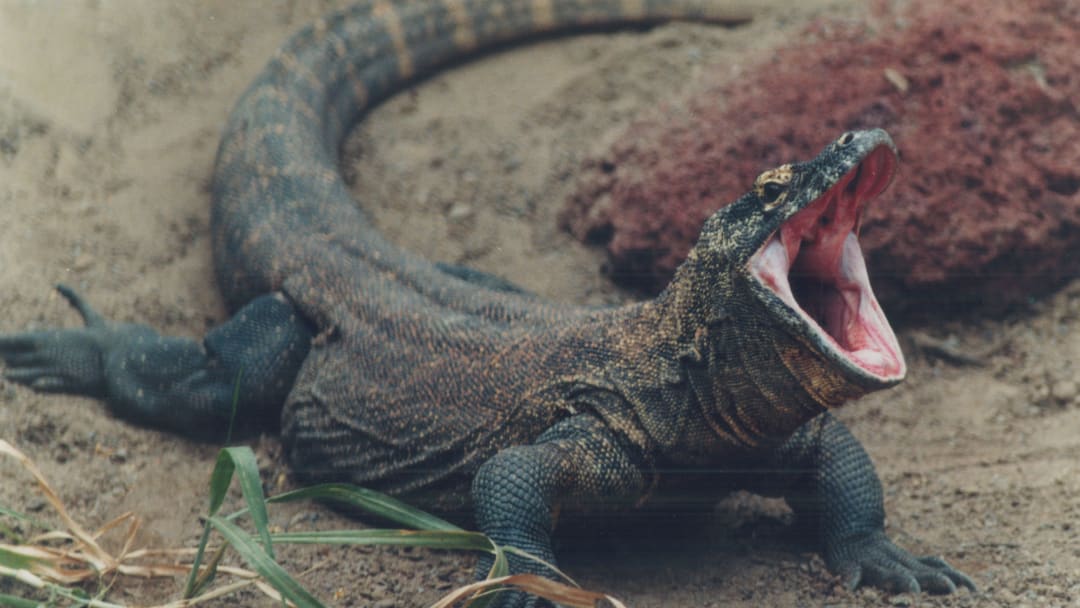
{"x": 734, "y": 380}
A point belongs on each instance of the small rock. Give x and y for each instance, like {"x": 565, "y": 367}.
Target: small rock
{"x": 870, "y": 594}
{"x": 1006, "y": 596}
{"x": 896, "y": 79}
{"x": 459, "y": 212}
{"x": 1042, "y": 392}
{"x": 83, "y": 262}
{"x": 1065, "y": 391}
{"x": 304, "y": 517}
{"x": 120, "y": 456}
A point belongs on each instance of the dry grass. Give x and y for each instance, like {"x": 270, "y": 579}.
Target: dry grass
{"x": 62, "y": 562}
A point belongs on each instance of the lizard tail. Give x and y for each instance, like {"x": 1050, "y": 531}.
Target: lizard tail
{"x": 276, "y": 182}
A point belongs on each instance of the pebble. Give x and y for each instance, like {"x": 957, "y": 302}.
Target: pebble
{"x": 1042, "y": 392}
{"x": 459, "y": 211}
{"x": 83, "y": 262}
{"x": 1065, "y": 390}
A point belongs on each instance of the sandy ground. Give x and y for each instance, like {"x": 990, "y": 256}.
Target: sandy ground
{"x": 109, "y": 118}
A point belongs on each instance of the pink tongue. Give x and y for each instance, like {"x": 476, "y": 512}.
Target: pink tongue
{"x": 820, "y": 230}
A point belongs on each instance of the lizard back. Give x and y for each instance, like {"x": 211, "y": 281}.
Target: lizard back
{"x": 417, "y": 375}
{"x": 280, "y": 208}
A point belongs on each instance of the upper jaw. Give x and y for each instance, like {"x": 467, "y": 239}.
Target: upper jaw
{"x": 814, "y": 266}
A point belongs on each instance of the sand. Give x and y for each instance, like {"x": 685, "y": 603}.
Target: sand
{"x": 109, "y": 119}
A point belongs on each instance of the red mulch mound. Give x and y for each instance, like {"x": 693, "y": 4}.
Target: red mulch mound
{"x": 983, "y": 100}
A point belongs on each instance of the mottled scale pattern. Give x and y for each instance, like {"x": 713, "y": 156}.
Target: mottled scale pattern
{"x": 457, "y": 390}
{"x": 419, "y": 375}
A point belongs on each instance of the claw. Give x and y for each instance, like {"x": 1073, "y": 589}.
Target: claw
{"x": 938, "y": 583}
{"x": 48, "y": 384}
{"x": 91, "y": 317}
{"x": 61, "y": 360}
{"x": 852, "y": 576}
{"x": 900, "y": 582}
{"x": 19, "y": 355}
{"x": 37, "y": 378}
{"x": 17, "y": 344}
{"x": 23, "y": 375}
{"x": 874, "y": 560}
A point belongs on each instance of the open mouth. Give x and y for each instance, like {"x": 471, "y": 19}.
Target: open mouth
{"x": 814, "y": 264}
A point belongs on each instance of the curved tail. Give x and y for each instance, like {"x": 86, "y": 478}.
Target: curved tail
{"x": 278, "y": 198}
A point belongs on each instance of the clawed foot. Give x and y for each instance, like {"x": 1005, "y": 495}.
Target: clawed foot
{"x": 61, "y": 360}
{"x": 872, "y": 559}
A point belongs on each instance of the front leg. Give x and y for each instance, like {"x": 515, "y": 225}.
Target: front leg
{"x": 837, "y": 489}
{"x": 519, "y": 492}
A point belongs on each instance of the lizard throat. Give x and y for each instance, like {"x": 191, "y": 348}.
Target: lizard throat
{"x": 815, "y": 266}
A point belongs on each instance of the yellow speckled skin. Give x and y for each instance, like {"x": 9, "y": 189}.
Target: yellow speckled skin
{"x": 457, "y": 390}
{"x": 431, "y": 373}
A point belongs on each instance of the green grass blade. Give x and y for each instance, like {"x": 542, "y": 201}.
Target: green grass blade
{"x": 371, "y": 502}
{"x": 433, "y": 539}
{"x": 265, "y": 565}
{"x": 76, "y": 597}
{"x": 198, "y": 580}
{"x": 235, "y": 405}
{"x": 16, "y": 561}
{"x": 499, "y": 568}
{"x": 11, "y": 601}
{"x": 220, "y": 480}
{"x": 247, "y": 472}
{"x": 11, "y": 534}
{"x": 241, "y": 462}
{"x": 195, "y": 582}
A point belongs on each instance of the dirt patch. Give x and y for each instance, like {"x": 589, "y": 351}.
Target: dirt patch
{"x": 109, "y": 117}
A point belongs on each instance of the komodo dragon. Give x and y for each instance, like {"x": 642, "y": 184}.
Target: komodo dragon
{"x": 459, "y": 391}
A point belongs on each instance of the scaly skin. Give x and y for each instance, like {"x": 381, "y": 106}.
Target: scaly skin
{"x": 454, "y": 388}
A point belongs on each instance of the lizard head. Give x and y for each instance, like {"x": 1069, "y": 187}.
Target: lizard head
{"x": 791, "y": 244}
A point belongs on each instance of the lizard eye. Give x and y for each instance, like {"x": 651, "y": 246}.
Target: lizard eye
{"x": 771, "y": 186}
{"x": 845, "y": 139}
{"x": 772, "y": 194}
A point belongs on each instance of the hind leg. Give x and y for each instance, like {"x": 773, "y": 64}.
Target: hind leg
{"x": 237, "y": 378}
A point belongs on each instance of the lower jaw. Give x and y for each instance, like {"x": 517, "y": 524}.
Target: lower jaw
{"x": 849, "y": 320}
{"x": 869, "y": 349}
{"x": 831, "y": 378}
